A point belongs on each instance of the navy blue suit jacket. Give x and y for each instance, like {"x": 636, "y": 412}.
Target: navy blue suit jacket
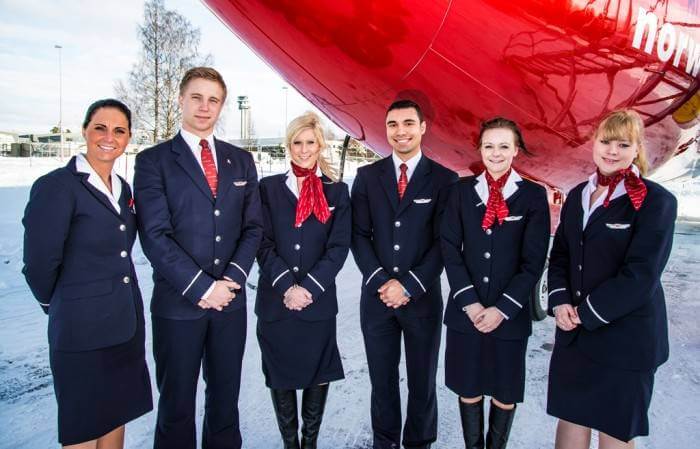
{"x": 191, "y": 238}
{"x": 400, "y": 239}
{"x": 499, "y": 267}
{"x": 77, "y": 261}
{"x": 612, "y": 272}
{"x": 310, "y": 256}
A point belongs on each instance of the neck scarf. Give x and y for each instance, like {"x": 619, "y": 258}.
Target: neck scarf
{"x": 636, "y": 189}
{"x": 496, "y": 206}
{"x": 311, "y": 197}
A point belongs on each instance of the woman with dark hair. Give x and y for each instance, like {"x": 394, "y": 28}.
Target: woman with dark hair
{"x": 306, "y": 239}
{"x": 611, "y": 246}
{"x": 495, "y": 235}
{"x": 79, "y": 230}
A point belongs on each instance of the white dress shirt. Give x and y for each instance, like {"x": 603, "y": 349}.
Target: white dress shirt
{"x": 193, "y": 142}
{"x": 588, "y": 190}
{"x": 83, "y": 166}
{"x": 411, "y": 164}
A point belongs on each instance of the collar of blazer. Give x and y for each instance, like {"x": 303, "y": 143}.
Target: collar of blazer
{"x": 418, "y": 181}
{"x": 595, "y": 224}
{"x": 189, "y": 164}
{"x": 511, "y": 190}
{"x": 101, "y": 197}
{"x": 326, "y": 182}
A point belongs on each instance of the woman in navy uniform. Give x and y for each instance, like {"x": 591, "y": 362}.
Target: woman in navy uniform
{"x": 495, "y": 235}
{"x": 79, "y": 230}
{"x": 612, "y": 245}
{"x": 305, "y": 243}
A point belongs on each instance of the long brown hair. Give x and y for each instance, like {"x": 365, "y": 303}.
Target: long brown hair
{"x": 625, "y": 124}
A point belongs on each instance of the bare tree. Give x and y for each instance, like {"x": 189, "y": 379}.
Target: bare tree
{"x": 169, "y": 47}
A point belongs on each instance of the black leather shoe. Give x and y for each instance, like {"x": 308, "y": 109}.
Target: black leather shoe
{"x": 313, "y": 402}
{"x": 472, "y": 416}
{"x": 500, "y": 422}
{"x": 285, "y": 405}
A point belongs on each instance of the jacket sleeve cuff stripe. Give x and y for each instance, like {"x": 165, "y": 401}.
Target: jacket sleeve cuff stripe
{"x": 462, "y": 290}
{"x": 239, "y": 267}
{"x": 556, "y": 290}
{"x": 513, "y": 300}
{"x": 590, "y": 306}
{"x": 417, "y": 280}
{"x": 192, "y": 283}
{"x": 372, "y": 275}
{"x": 279, "y": 277}
{"x": 316, "y": 282}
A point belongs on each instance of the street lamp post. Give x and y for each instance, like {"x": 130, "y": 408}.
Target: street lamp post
{"x": 285, "y": 89}
{"x": 60, "y": 99}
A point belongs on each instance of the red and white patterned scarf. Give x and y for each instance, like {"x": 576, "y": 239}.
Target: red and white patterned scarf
{"x": 496, "y": 206}
{"x": 311, "y": 197}
{"x": 636, "y": 189}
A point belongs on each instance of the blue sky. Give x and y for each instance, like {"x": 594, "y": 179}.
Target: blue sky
{"x": 99, "y": 47}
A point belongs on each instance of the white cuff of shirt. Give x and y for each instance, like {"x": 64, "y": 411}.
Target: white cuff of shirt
{"x": 209, "y": 290}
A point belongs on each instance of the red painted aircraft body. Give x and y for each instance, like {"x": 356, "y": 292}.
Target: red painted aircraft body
{"x": 554, "y": 66}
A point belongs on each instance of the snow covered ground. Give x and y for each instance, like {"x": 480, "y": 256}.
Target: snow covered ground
{"x": 28, "y": 409}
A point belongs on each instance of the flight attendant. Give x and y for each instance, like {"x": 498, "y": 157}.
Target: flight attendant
{"x": 397, "y": 204}
{"x": 79, "y": 229}
{"x": 605, "y": 291}
{"x": 495, "y": 236}
{"x": 200, "y": 226}
{"x": 306, "y": 240}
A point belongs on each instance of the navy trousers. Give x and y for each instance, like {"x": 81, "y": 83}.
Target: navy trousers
{"x": 216, "y": 342}
{"x": 382, "y": 337}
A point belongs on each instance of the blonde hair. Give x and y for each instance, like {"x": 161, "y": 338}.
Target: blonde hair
{"x": 625, "y": 124}
{"x": 312, "y": 121}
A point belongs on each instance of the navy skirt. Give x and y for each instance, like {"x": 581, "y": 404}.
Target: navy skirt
{"x": 478, "y": 364}
{"x": 611, "y": 400}
{"x": 100, "y": 390}
{"x": 297, "y": 354}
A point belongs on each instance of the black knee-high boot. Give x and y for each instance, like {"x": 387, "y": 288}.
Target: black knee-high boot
{"x": 313, "y": 402}
{"x": 472, "y": 424}
{"x": 500, "y": 422}
{"x": 285, "y": 404}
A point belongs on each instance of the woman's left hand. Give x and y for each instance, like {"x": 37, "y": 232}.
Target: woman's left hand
{"x": 488, "y": 320}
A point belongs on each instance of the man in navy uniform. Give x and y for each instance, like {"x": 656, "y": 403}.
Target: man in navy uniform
{"x": 397, "y": 203}
{"x": 200, "y": 225}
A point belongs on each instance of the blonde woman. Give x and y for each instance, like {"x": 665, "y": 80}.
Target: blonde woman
{"x": 605, "y": 291}
{"x": 307, "y": 232}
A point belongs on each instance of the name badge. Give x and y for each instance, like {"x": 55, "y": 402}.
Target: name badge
{"x": 331, "y": 208}
{"x": 422, "y": 200}
{"x": 513, "y": 218}
{"x": 240, "y": 183}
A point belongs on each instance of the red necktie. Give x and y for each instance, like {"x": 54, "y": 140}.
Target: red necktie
{"x": 403, "y": 180}
{"x": 209, "y": 166}
{"x": 311, "y": 197}
{"x": 496, "y": 206}
{"x": 636, "y": 189}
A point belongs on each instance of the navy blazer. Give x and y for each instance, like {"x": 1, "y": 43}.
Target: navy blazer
{"x": 612, "y": 271}
{"x": 191, "y": 238}
{"x": 310, "y": 255}
{"x": 400, "y": 239}
{"x": 497, "y": 267}
{"x": 77, "y": 261}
